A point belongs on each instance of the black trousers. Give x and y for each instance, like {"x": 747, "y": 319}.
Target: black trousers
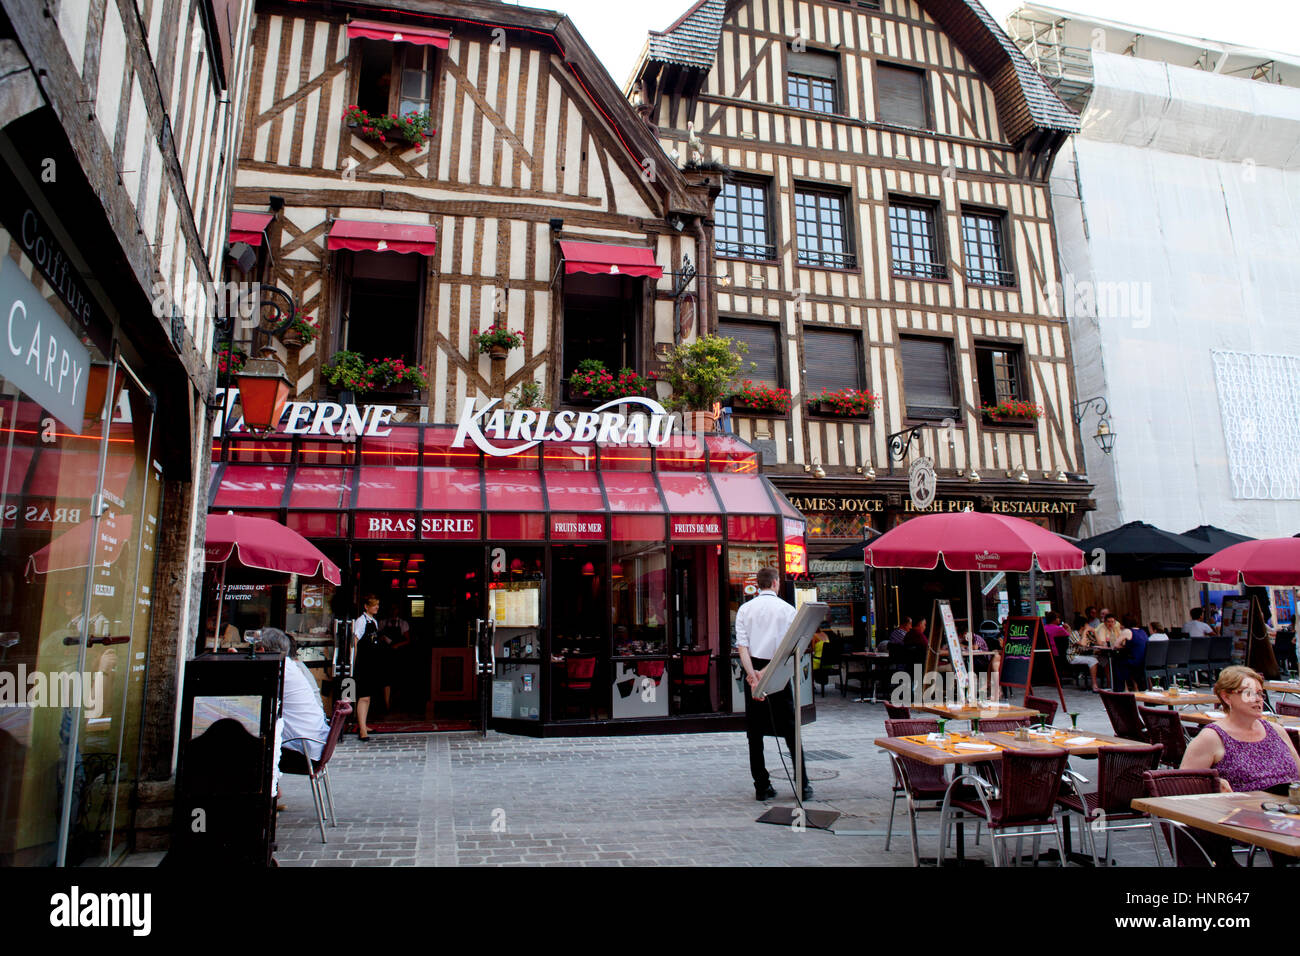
{"x": 773, "y": 716}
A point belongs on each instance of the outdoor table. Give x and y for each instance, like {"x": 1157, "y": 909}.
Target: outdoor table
{"x": 1207, "y": 811}
{"x": 985, "y": 711}
{"x": 1282, "y": 686}
{"x": 1182, "y": 700}
{"x": 1210, "y": 716}
{"x": 868, "y": 656}
{"x": 920, "y": 748}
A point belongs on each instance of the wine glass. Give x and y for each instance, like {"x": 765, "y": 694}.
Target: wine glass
{"x": 974, "y": 727}
{"x": 943, "y": 729}
{"x": 1074, "y": 720}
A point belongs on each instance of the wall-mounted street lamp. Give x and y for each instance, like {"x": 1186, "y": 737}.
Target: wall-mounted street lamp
{"x": 263, "y": 390}
{"x": 1105, "y": 438}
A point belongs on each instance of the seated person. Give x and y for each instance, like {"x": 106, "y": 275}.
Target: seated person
{"x": 1195, "y": 625}
{"x": 1080, "y": 641}
{"x": 1157, "y": 632}
{"x": 1248, "y": 752}
{"x": 1055, "y": 632}
{"x": 303, "y": 715}
{"x": 898, "y": 634}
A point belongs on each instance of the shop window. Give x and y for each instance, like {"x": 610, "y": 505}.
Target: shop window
{"x": 928, "y": 382}
{"x": 999, "y": 369}
{"x": 984, "y": 249}
{"x": 762, "y": 361}
{"x": 742, "y": 222}
{"x": 822, "y": 231}
{"x": 382, "y": 297}
{"x": 900, "y": 96}
{"x": 812, "y": 82}
{"x": 914, "y": 241}
{"x": 602, "y": 321}
{"x": 832, "y": 361}
{"x": 394, "y": 77}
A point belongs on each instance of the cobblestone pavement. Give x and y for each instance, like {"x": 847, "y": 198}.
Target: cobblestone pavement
{"x": 683, "y": 799}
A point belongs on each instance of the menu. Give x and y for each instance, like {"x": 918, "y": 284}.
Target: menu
{"x": 1236, "y": 623}
{"x": 515, "y": 606}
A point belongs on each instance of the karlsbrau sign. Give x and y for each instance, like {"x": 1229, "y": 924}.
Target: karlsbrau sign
{"x": 518, "y": 429}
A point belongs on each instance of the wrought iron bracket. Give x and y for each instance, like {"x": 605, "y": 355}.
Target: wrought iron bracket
{"x": 900, "y": 441}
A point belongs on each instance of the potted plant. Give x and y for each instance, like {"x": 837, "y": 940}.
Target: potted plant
{"x": 761, "y": 399}
{"x": 701, "y": 372}
{"x": 592, "y": 383}
{"x": 1013, "y": 410}
{"x": 845, "y": 403}
{"x": 496, "y": 340}
{"x": 231, "y": 358}
{"x": 413, "y": 128}
{"x": 301, "y": 330}
{"x": 352, "y": 372}
{"x": 528, "y": 395}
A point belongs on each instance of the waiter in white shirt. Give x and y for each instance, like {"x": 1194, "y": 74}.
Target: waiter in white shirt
{"x": 760, "y": 624}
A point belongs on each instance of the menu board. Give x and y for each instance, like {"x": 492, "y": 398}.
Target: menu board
{"x": 954, "y": 650}
{"x": 515, "y": 606}
{"x": 1236, "y": 623}
{"x": 1018, "y": 651}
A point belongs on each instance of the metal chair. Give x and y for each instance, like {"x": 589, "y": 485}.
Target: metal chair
{"x": 317, "y": 771}
{"x": 1198, "y": 658}
{"x": 1187, "y": 848}
{"x": 1220, "y": 654}
{"x": 1180, "y": 653}
{"x": 1157, "y": 658}
{"x": 826, "y": 661}
{"x": 1165, "y": 727}
{"x": 1121, "y": 708}
{"x": 1109, "y": 807}
{"x": 1025, "y": 801}
{"x": 1044, "y": 705}
{"x": 920, "y": 783}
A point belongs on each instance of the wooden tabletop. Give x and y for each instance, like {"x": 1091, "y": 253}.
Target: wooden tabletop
{"x": 938, "y": 754}
{"x": 984, "y": 712}
{"x": 1210, "y": 716}
{"x": 1184, "y": 699}
{"x": 1282, "y": 687}
{"x": 1207, "y": 811}
{"x": 869, "y": 654}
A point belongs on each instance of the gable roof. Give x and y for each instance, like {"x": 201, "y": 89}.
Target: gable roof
{"x": 693, "y": 40}
{"x": 1025, "y": 101}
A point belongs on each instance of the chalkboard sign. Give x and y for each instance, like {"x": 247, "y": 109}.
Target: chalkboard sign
{"x": 1018, "y": 651}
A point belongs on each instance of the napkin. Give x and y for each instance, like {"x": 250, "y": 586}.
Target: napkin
{"x": 1042, "y": 735}
{"x": 1080, "y": 741}
{"x": 934, "y": 738}
{"x": 1214, "y": 714}
{"x": 981, "y": 748}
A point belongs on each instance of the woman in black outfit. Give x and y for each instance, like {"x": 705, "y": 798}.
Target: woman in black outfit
{"x": 368, "y": 670}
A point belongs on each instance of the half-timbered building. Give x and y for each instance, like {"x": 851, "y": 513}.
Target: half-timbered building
{"x": 884, "y": 227}
{"x": 118, "y": 127}
{"x": 415, "y": 174}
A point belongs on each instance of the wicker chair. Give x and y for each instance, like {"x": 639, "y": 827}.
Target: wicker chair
{"x": 1109, "y": 807}
{"x": 1165, "y": 727}
{"x": 1121, "y": 708}
{"x": 897, "y": 712}
{"x": 922, "y": 785}
{"x": 1044, "y": 705}
{"x": 1190, "y": 848}
{"x": 997, "y": 725}
{"x": 1024, "y": 802}
{"x": 1287, "y": 709}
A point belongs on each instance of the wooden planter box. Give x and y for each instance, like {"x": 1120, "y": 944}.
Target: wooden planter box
{"x": 753, "y": 411}
{"x": 827, "y": 410}
{"x": 1011, "y": 421}
{"x": 393, "y": 142}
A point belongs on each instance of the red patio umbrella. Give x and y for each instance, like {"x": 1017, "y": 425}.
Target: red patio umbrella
{"x": 1269, "y": 562}
{"x": 972, "y": 541}
{"x": 71, "y": 550}
{"x": 265, "y": 545}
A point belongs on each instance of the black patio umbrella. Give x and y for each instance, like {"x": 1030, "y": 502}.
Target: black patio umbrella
{"x": 1139, "y": 551}
{"x": 1216, "y": 538}
{"x": 853, "y": 552}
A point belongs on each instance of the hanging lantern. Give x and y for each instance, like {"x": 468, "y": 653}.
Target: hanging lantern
{"x": 263, "y": 390}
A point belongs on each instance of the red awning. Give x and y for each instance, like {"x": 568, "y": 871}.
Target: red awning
{"x": 603, "y": 259}
{"x": 361, "y": 236}
{"x": 248, "y": 226}
{"x": 398, "y": 33}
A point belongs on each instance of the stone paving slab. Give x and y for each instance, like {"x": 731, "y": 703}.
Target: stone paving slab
{"x": 685, "y": 799}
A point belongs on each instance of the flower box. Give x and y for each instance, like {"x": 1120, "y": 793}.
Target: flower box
{"x": 1012, "y": 412}
{"x": 404, "y": 132}
{"x": 850, "y": 403}
{"x": 760, "y": 400}
{"x": 828, "y": 410}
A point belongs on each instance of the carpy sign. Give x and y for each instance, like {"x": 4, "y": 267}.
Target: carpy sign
{"x": 528, "y": 429}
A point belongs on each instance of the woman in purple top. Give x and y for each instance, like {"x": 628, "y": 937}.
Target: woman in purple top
{"x": 1248, "y": 752}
